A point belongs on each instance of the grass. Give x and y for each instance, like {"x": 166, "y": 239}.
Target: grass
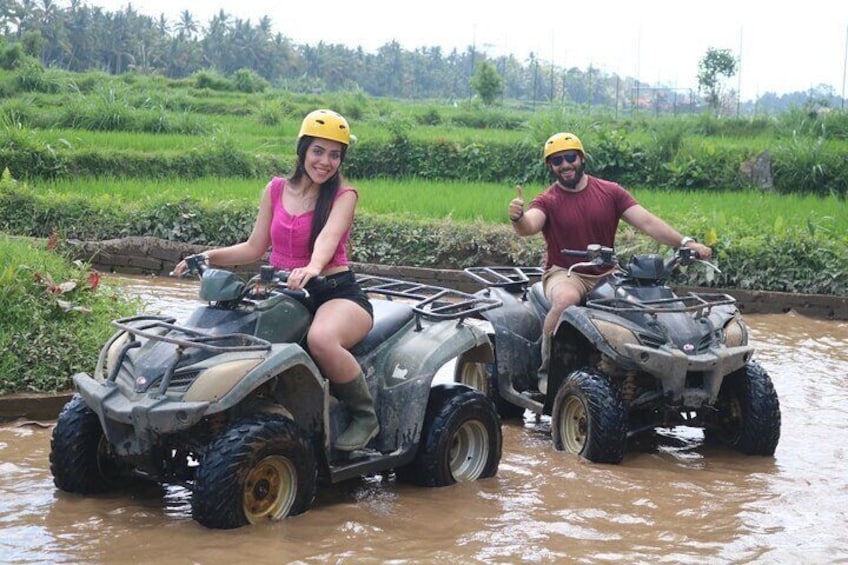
{"x": 487, "y": 202}
{"x": 55, "y": 317}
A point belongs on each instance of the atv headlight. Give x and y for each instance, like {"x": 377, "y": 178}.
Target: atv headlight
{"x": 734, "y": 333}
{"x": 616, "y": 336}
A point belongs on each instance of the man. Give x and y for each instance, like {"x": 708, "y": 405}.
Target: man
{"x": 573, "y": 212}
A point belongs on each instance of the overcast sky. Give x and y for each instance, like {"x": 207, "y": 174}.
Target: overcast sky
{"x": 782, "y": 47}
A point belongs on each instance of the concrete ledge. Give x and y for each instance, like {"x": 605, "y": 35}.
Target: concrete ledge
{"x": 31, "y": 406}
{"x": 150, "y": 255}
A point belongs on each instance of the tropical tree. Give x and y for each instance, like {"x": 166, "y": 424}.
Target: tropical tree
{"x": 715, "y": 64}
{"x": 487, "y": 83}
{"x": 187, "y": 27}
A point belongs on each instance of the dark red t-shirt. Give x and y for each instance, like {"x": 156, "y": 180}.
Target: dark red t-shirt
{"x": 575, "y": 220}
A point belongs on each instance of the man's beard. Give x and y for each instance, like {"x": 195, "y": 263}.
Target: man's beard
{"x": 578, "y": 174}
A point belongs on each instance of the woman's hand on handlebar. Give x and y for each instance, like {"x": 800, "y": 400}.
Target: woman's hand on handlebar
{"x": 300, "y": 276}
{"x": 179, "y": 269}
{"x": 190, "y": 263}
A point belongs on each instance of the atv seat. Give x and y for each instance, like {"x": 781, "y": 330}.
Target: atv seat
{"x": 537, "y": 297}
{"x": 389, "y": 317}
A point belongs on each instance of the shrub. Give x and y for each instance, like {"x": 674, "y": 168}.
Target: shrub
{"x": 246, "y": 80}
{"x": 55, "y": 317}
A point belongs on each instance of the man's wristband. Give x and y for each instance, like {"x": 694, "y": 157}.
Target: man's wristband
{"x": 686, "y": 240}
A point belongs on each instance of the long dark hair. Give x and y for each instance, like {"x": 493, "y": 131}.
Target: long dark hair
{"x": 326, "y": 193}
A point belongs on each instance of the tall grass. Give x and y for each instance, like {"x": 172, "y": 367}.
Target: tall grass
{"x": 463, "y": 202}
{"x": 749, "y": 212}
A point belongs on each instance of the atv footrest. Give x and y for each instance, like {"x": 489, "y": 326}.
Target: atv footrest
{"x": 533, "y": 395}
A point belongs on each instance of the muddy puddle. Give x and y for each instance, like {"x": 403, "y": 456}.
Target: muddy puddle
{"x": 672, "y": 500}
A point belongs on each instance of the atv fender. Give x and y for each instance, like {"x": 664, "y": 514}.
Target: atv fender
{"x": 284, "y": 358}
{"x": 581, "y": 319}
{"x": 408, "y": 370}
{"x": 518, "y": 334}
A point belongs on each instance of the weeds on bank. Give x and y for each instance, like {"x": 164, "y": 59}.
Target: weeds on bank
{"x": 56, "y": 316}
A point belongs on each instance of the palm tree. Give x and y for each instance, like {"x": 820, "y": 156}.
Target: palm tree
{"x": 186, "y": 28}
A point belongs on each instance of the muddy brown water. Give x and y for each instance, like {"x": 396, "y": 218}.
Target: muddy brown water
{"x": 672, "y": 500}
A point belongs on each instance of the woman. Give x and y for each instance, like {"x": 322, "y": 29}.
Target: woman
{"x": 306, "y": 221}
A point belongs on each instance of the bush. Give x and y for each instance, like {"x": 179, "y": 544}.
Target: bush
{"x": 55, "y": 317}
{"x": 246, "y": 80}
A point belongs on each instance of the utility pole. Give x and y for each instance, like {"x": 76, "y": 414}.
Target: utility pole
{"x": 473, "y": 60}
{"x": 739, "y": 84}
{"x": 552, "y": 69}
{"x": 638, "y": 55}
{"x": 844, "y": 67}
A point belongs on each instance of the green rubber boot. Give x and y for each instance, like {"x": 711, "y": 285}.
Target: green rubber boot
{"x": 363, "y": 425}
{"x": 542, "y": 372}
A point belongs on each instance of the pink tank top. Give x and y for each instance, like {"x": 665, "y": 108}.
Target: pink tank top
{"x": 290, "y": 234}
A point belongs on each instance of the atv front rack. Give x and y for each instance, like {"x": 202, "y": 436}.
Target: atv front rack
{"x": 699, "y": 303}
{"x": 140, "y": 326}
{"x": 430, "y": 301}
{"x": 155, "y": 328}
{"x": 509, "y": 278}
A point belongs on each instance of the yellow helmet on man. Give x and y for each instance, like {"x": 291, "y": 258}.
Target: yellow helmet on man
{"x": 561, "y": 142}
{"x": 326, "y": 124}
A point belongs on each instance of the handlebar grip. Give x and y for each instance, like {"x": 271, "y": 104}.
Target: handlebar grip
{"x": 301, "y": 294}
{"x": 574, "y": 253}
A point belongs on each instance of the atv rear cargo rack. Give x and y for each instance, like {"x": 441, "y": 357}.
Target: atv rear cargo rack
{"x": 430, "y": 301}
{"x": 511, "y": 279}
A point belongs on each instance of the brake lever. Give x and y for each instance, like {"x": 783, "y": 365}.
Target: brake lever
{"x": 710, "y": 265}
{"x": 593, "y": 263}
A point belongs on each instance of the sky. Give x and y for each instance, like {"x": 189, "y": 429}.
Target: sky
{"x": 781, "y": 47}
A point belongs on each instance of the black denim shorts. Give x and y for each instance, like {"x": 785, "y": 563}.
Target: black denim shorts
{"x": 339, "y": 285}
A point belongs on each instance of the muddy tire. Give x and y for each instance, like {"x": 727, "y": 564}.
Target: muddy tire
{"x": 80, "y": 459}
{"x": 261, "y": 469}
{"x": 461, "y": 439}
{"x": 483, "y": 377}
{"x": 748, "y": 412}
{"x": 589, "y": 418}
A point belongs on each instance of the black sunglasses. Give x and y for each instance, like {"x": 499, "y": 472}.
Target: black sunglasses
{"x": 568, "y": 157}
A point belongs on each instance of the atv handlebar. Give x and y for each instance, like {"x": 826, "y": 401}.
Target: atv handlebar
{"x": 196, "y": 263}
{"x": 596, "y": 255}
{"x": 600, "y": 256}
{"x": 268, "y": 278}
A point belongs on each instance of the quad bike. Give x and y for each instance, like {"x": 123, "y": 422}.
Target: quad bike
{"x": 634, "y": 357}
{"x": 231, "y": 405}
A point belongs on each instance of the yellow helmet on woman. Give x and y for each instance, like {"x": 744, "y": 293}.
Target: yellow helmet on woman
{"x": 561, "y": 142}
{"x": 325, "y": 124}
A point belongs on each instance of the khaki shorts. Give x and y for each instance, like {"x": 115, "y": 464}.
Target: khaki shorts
{"x": 582, "y": 282}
